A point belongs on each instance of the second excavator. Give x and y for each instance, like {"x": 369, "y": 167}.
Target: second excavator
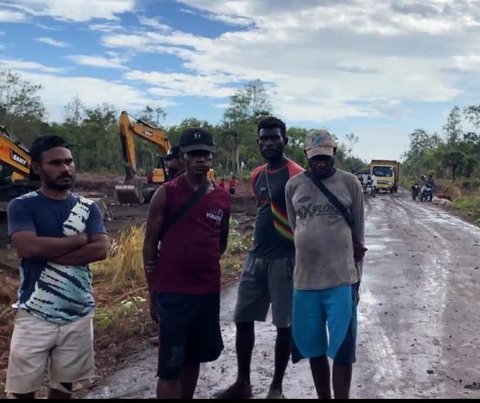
{"x": 15, "y": 165}
{"x": 137, "y": 189}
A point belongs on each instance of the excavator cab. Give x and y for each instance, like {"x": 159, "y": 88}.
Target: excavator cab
{"x": 136, "y": 189}
{"x": 15, "y": 162}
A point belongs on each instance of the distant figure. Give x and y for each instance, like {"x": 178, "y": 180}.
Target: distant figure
{"x": 211, "y": 175}
{"x": 374, "y": 183}
{"x": 233, "y": 184}
{"x": 175, "y": 166}
{"x": 221, "y": 185}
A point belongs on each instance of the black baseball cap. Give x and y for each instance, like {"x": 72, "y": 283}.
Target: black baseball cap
{"x": 196, "y": 138}
{"x": 173, "y": 153}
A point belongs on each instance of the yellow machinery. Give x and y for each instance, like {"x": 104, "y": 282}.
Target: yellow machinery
{"x": 15, "y": 162}
{"x": 135, "y": 189}
{"x": 387, "y": 173}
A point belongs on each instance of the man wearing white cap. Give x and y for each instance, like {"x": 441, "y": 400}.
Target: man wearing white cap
{"x": 325, "y": 210}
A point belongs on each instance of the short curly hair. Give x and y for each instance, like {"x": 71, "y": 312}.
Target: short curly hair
{"x": 271, "y": 122}
{"x": 45, "y": 143}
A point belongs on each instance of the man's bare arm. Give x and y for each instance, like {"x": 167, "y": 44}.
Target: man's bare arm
{"x": 153, "y": 231}
{"x": 94, "y": 251}
{"x": 29, "y": 245}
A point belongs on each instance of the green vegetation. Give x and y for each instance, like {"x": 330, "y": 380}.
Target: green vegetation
{"x": 469, "y": 205}
{"x": 453, "y": 157}
{"x": 93, "y": 132}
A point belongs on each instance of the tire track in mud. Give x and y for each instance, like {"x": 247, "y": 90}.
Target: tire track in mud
{"x": 413, "y": 292}
{"x": 406, "y": 332}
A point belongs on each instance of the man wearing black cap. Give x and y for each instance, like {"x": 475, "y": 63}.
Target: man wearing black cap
{"x": 184, "y": 273}
{"x": 175, "y": 165}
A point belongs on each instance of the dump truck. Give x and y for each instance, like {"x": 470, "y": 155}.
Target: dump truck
{"x": 387, "y": 173}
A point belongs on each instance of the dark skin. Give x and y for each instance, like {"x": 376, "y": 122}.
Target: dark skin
{"x": 56, "y": 170}
{"x": 197, "y": 165}
{"x": 322, "y": 166}
{"x": 175, "y": 166}
{"x": 271, "y": 144}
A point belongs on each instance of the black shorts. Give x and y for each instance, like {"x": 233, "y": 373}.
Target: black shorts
{"x": 189, "y": 331}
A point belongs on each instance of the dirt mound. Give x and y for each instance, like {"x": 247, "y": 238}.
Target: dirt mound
{"x": 97, "y": 183}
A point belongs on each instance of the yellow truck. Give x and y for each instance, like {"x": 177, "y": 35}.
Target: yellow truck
{"x": 387, "y": 173}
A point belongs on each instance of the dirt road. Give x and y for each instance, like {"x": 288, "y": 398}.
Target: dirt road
{"x": 419, "y": 327}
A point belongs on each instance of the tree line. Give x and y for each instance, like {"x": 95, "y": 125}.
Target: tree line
{"x": 94, "y": 135}
{"x": 454, "y": 153}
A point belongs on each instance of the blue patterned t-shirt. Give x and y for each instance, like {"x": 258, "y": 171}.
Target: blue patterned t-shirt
{"x": 56, "y": 293}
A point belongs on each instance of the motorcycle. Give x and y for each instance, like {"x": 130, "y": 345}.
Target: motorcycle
{"x": 415, "y": 190}
{"x": 368, "y": 188}
{"x": 426, "y": 193}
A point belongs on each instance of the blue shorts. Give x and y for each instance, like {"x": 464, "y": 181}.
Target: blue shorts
{"x": 325, "y": 323}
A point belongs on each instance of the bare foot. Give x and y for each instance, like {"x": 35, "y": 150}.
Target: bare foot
{"x": 275, "y": 394}
{"x": 236, "y": 391}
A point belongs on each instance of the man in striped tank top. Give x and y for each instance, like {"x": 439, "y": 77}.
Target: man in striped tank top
{"x": 267, "y": 275}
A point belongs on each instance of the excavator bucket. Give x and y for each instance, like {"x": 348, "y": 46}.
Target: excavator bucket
{"x": 130, "y": 193}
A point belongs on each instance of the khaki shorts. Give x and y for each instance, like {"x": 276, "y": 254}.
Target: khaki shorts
{"x": 265, "y": 283}
{"x": 66, "y": 349}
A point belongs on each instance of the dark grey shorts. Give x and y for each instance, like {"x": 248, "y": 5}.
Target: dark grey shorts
{"x": 265, "y": 282}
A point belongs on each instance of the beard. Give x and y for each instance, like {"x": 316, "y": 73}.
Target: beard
{"x": 61, "y": 186}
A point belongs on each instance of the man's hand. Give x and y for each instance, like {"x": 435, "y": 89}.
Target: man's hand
{"x": 83, "y": 239}
{"x": 149, "y": 266}
{"x": 153, "y": 306}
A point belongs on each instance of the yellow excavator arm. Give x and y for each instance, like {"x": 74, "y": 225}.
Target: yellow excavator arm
{"x": 134, "y": 190}
{"x": 14, "y": 155}
{"x": 15, "y": 163}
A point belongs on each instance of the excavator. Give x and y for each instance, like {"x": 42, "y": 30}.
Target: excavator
{"x": 15, "y": 162}
{"x": 135, "y": 189}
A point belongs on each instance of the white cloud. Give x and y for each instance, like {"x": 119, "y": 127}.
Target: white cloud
{"x": 47, "y": 27}
{"x": 26, "y": 65}
{"x": 97, "y": 61}
{"x": 321, "y": 60}
{"x": 73, "y": 10}
{"x": 177, "y": 84}
{"x": 92, "y": 91}
{"x": 153, "y": 23}
{"x": 12, "y": 16}
{"x": 53, "y": 42}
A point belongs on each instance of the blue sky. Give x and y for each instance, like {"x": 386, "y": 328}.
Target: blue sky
{"x": 377, "y": 69}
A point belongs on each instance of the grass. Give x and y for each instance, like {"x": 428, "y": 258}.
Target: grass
{"x": 469, "y": 205}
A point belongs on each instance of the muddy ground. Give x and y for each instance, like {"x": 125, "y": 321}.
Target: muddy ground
{"x": 419, "y": 326}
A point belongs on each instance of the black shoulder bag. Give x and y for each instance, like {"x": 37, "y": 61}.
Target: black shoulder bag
{"x": 332, "y": 198}
{"x": 185, "y": 207}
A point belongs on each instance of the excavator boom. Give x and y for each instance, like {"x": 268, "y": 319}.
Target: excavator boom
{"x": 15, "y": 162}
{"x": 14, "y": 155}
{"x": 134, "y": 189}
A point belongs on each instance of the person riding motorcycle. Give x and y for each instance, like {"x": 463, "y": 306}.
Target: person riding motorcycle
{"x": 428, "y": 188}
